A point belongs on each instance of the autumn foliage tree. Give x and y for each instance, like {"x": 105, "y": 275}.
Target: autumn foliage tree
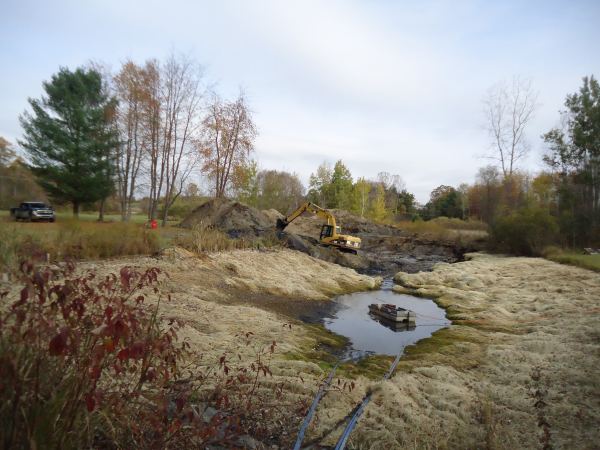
{"x": 227, "y": 140}
{"x": 378, "y": 211}
{"x": 137, "y": 102}
{"x": 360, "y": 201}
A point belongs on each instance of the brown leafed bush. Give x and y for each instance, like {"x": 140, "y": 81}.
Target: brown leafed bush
{"x": 85, "y": 363}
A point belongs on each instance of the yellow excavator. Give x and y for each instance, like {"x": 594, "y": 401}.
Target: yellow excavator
{"x": 330, "y": 233}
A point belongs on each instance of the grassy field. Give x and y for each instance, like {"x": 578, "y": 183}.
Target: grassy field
{"x": 591, "y": 262}
{"x": 85, "y": 238}
{"x": 93, "y": 217}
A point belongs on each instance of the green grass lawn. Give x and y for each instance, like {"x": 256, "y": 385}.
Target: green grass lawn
{"x": 136, "y": 218}
{"x": 591, "y": 262}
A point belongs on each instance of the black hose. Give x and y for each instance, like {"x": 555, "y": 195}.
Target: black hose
{"x": 314, "y": 405}
{"x": 346, "y": 434}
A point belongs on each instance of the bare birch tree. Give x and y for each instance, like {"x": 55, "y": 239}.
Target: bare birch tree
{"x": 134, "y": 118}
{"x": 508, "y": 109}
{"x": 182, "y": 95}
{"x": 228, "y": 140}
{"x": 156, "y": 166}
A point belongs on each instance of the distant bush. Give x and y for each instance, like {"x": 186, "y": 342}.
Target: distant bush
{"x": 181, "y": 210}
{"x": 178, "y": 212}
{"x": 524, "y": 232}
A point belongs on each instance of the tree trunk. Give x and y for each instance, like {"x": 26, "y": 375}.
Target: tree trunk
{"x": 76, "y": 209}
{"x": 102, "y": 208}
{"x": 164, "y": 222}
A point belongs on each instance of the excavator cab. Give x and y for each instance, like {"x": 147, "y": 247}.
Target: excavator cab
{"x": 326, "y": 231}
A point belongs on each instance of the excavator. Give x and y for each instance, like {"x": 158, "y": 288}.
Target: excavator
{"x": 330, "y": 233}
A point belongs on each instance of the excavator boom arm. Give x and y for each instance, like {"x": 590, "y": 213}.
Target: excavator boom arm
{"x": 308, "y": 206}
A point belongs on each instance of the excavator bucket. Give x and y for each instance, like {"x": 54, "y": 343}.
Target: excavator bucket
{"x": 281, "y": 225}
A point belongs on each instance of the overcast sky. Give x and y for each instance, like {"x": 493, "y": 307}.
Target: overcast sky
{"x": 390, "y": 86}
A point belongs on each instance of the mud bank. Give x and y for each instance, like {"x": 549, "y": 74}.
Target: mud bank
{"x": 385, "y": 249}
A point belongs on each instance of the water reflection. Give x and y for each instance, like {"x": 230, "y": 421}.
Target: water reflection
{"x": 371, "y": 333}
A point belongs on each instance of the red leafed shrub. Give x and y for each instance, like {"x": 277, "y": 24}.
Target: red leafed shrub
{"x": 86, "y": 363}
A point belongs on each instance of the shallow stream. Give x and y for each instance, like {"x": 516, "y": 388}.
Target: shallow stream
{"x": 371, "y": 334}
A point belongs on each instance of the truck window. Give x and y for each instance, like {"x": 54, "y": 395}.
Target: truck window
{"x": 38, "y": 205}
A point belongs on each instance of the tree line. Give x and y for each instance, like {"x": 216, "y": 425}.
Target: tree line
{"x": 17, "y": 183}
{"x": 330, "y": 187}
{"x": 145, "y": 128}
{"x": 560, "y": 205}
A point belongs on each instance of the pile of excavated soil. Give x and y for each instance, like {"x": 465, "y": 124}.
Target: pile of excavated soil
{"x": 310, "y": 225}
{"x": 384, "y": 249}
{"x": 229, "y": 216}
{"x": 273, "y": 214}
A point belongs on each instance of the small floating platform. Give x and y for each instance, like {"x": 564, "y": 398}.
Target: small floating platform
{"x": 393, "y": 313}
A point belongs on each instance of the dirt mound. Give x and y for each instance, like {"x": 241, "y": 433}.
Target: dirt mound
{"x": 310, "y": 225}
{"x": 227, "y": 215}
{"x": 273, "y": 214}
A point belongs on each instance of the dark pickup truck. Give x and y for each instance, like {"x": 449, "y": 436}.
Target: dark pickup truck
{"x": 32, "y": 211}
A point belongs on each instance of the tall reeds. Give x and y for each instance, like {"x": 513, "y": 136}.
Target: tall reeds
{"x": 74, "y": 239}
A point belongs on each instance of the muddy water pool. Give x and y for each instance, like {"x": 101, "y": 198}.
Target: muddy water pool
{"x": 369, "y": 333}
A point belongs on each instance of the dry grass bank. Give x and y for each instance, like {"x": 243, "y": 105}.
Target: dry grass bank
{"x": 469, "y": 386}
{"x": 203, "y": 284}
{"x": 474, "y": 385}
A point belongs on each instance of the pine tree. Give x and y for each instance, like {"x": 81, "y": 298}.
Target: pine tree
{"x": 70, "y": 136}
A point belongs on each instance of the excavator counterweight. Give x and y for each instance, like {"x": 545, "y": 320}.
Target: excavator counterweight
{"x": 331, "y": 234}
